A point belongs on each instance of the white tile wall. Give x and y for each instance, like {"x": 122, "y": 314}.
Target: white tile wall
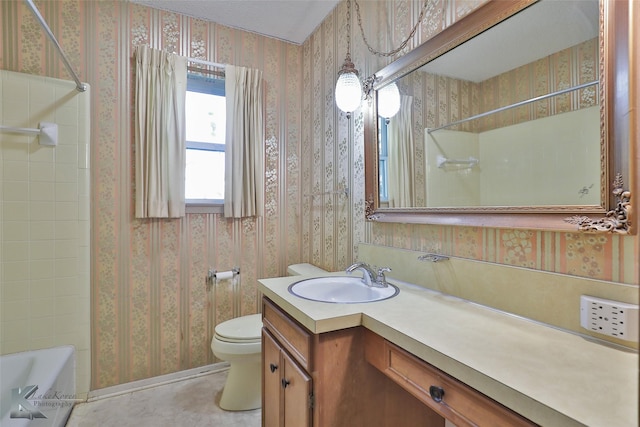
{"x": 521, "y": 160}
{"x": 545, "y": 161}
{"x": 44, "y": 217}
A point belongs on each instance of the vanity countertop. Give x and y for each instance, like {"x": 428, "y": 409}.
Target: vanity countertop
{"x": 552, "y": 377}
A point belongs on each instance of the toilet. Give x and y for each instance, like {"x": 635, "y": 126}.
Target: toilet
{"x": 238, "y": 341}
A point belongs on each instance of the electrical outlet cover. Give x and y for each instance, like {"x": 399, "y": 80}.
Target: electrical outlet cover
{"x": 613, "y": 318}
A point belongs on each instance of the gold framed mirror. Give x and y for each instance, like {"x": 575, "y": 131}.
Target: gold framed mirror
{"x": 553, "y": 124}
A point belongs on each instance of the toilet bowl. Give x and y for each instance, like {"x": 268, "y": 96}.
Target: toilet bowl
{"x": 238, "y": 341}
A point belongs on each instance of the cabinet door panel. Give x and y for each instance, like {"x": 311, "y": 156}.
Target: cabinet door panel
{"x": 297, "y": 387}
{"x": 291, "y": 336}
{"x": 271, "y": 373}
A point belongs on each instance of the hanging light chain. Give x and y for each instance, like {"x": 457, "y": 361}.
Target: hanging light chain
{"x": 348, "y": 27}
{"x": 348, "y": 66}
{"x": 402, "y": 45}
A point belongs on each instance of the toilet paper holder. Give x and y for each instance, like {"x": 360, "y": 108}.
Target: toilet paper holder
{"x": 214, "y": 275}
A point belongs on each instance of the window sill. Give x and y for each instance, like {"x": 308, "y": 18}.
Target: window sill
{"x": 204, "y": 207}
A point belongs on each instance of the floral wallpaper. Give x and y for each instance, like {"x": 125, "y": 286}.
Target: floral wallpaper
{"x": 152, "y": 311}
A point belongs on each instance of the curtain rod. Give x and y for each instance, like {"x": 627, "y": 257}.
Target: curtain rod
{"x": 81, "y": 87}
{"x": 203, "y": 62}
{"x": 206, "y": 71}
{"x": 517, "y": 104}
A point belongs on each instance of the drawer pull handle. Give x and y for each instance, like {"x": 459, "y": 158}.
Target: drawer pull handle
{"x": 437, "y": 393}
{"x": 273, "y": 367}
{"x": 285, "y": 383}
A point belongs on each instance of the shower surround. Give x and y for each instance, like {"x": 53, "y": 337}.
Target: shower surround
{"x": 45, "y": 210}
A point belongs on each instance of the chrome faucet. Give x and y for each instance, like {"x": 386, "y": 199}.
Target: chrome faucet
{"x": 369, "y": 275}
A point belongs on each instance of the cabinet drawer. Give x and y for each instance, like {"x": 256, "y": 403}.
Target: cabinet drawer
{"x": 454, "y": 400}
{"x": 293, "y": 337}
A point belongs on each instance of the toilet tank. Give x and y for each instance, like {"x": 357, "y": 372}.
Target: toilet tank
{"x": 305, "y": 269}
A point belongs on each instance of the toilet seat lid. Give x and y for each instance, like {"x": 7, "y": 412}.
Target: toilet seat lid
{"x": 244, "y": 328}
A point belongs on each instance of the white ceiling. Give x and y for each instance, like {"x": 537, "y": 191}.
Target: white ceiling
{"x": 553, "y": 24}
{"x": 289, "y": 20}
{"x": 544, "y": 28}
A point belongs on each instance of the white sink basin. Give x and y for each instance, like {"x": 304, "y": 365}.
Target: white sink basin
{"x": 341, "y": 290}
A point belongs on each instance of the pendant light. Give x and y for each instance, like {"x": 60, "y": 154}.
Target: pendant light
{"x": 348, "y": 92}
{"x": 389, "y": 95}
{"x": 388, "y": 101}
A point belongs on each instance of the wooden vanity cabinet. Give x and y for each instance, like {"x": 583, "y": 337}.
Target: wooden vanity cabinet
{"x": 324, "y": 380}
{"x": 355, "y": 378}
{"x": 287, "y": 388}
{"x": 454, "y": 400}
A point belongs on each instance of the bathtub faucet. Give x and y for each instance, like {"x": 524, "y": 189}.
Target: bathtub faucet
{"x": 369, "y": 276}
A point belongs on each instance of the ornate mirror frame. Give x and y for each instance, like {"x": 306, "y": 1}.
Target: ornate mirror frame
{"x": 619, "y": 129}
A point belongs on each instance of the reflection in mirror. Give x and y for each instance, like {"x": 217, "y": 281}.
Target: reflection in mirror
{"x": 510, "y": 118}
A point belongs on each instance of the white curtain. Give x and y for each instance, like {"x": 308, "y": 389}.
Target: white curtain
{"x": 244, "y": 159}
{"x": 400, "y": 146}
{"x": 161, "y": 87}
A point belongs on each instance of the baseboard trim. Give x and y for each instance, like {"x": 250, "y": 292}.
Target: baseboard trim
{"x": 147, "y": 383}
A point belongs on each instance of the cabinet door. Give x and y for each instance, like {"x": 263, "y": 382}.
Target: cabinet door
{"x": 297, "y": 389}
{"x": 271, "y": 385}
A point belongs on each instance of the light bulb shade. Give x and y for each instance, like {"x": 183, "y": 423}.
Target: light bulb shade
{"x": 388, "y": 101}
{"x": 348, "y": 91}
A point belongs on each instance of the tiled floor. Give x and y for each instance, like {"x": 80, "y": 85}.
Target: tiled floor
{"x": 191, "y": 402}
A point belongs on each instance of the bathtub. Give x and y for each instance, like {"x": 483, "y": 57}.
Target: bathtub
{"x": 52, "y": 371}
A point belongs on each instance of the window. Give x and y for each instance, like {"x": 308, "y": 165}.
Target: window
{"x": 383, "y": 156}
{"x": 205, "y": 122}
